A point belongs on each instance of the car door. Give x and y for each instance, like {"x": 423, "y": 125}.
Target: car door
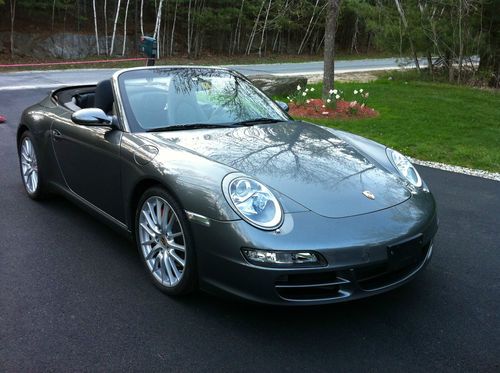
{"x": 89, "y": 159}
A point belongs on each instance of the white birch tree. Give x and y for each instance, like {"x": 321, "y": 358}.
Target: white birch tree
{"x": 114, "y": 27}
{"x": 125, "y": 28}
{"x": 95, "y": 28}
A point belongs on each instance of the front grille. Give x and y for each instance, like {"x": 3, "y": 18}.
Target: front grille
{"x": 311, "y": 286}
{"x": 326, "y": 285}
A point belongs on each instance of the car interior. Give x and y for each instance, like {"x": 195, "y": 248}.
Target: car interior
{"x": 99, "y": 96}
{"x": 152, "y": 107}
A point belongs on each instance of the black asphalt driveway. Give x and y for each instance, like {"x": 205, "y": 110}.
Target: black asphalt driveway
{"x": 74, "y": 297}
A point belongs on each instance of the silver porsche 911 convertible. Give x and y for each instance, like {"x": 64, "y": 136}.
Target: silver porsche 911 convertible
{"x": 222, "y": 190}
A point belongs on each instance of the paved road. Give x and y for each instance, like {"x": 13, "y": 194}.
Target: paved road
{"x": 52, "y": 79}
{"x": 74, "y": 297}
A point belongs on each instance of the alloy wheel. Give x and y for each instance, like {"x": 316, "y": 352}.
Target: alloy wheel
{"x": 162, "y": 241}
{"x": 29, "y": 165}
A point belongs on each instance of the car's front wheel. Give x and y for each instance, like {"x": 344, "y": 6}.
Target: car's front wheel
{"x": 164, "y": 242}
{"x": 30, "y": 167}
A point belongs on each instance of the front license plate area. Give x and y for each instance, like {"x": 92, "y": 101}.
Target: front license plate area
{"x": 404, "y": 253}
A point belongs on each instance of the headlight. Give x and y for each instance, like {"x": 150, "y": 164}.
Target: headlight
{"x": 255, "y": 203}
{"x": 405, "y": 168}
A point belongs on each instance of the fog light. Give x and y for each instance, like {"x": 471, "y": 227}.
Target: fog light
{"x": 282, "y": 258}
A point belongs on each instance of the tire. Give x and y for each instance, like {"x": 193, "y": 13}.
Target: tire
{"x": 164, "y": 242}
{"x": 31, "y": 171}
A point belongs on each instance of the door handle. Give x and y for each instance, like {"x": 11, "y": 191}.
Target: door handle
{"x": 57, "y": 135}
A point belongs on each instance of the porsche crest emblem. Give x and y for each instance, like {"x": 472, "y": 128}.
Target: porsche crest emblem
{"x": 369, "y": 194}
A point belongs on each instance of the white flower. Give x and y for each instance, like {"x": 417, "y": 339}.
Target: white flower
{"x": 362, "y": 105}
{"x": 353, "y": 103}
{"x": 312, "y": 89}
{"x": 308, "y": 101}
{"x": 323, "y": 106}
{"x": 361, "y": 90}
{"x": 331, "y": 91}
{"x": 355, "y": 92}
{"x": 334, "y": 91}
{"x": 298, "y": 88}
{"x": 328, "y": 100}
{"x": 304, "y": 93}
{"x": 389, "y": 78}
{"x": 325, "y": 113}
{"x": 307, "y": 89}
{"x": 337, "y": 97}
{"x": 367, "y": 94}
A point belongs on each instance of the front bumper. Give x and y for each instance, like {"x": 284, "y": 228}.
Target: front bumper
{"x": 357, "y": 250}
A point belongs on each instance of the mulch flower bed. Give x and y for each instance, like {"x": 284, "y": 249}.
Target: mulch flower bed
{"x": 344, "y": 110}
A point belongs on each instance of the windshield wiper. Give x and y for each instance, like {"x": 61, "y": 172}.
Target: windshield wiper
{"x": 251, "y": 122}
{"x": 189, "y": 126}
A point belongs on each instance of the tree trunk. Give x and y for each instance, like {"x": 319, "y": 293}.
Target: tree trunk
{"x": 173, "y": 29}
{"x": 106, "y": 26}
{"x": 264, "y": 28}
{"x": 332, "y": 13}
{"x": 236, "y": 45}
{"x": 114, "y": 27}
{"x": 189, "y": 30}
{"x": 142, "y": 19}
{"x": 156, "y": 33}
{"x": 254, "y": 29}
{"x": 405, "y": 24}
{"x": 125, "y": 28}
{"x": 53, "y": 13}
{"x": 354, "y": 40}
{"x": 12, "y": 18}
{"x": 95, "y": 28}
{"x": 306, "y": 35}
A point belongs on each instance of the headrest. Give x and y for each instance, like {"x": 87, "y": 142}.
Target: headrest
{"x": 104, "y": 96}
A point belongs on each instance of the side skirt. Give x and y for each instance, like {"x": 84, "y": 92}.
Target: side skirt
{"x": 95, "y": 211}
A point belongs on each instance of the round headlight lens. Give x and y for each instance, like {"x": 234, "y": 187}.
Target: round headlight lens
{"x": 405, "y": 168}
{"x": 255, "y": 203}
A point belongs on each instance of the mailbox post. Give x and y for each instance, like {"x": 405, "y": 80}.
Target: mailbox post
{"x": 148, "y": 46}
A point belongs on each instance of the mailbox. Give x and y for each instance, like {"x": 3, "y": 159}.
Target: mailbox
{"x": 148, "y": 46}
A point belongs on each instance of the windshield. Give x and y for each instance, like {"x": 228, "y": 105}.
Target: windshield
{"x": 167, "y": 97}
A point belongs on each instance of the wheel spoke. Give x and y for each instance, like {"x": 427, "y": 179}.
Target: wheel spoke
{"x": 158, "y": 213}
{"x": 177, "y": 258}
{"x": 151, "y": 213}
{"x": 152, "y": 225}
{"x": 164, "y": 219}
{"x": 148, "y": 230}
{"x": 153, "y": 253}
{"x": 173, "y": 235}
{"x": 34, "y": 179}
{"x": 176, "y": 272}
{"x": 170, "y": 274}
{"x": 177, "y": 246}
{"x": 148, "y": 242}
{"x": 171, "y": 221}
{"x": 157, "y": 263}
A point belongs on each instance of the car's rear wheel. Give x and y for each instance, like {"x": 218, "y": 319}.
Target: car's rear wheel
{"x": 164, "y": 242}
{"x": 30, "y": 167}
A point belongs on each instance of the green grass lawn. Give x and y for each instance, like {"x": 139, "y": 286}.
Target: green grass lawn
{"x": 429, "y": 121}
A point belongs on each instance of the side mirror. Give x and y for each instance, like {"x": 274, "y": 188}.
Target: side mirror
{"x": 91, "y": 117}
{"x": 283, "y": 105}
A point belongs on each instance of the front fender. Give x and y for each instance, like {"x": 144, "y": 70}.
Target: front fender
{"x": 195, "y": 181}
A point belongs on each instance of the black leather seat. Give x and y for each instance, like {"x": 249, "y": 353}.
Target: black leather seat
{"x": 104, "y": 96}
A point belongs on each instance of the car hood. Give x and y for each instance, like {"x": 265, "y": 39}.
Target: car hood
{"x": 305, "y": 162}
